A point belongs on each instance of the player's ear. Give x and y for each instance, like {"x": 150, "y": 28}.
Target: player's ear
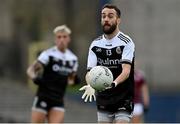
{"x": 118, "y": 20}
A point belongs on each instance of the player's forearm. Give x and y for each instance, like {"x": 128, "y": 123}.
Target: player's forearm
{"x": 35, "y": 70}
{"x": 87, "y": 77}
{"x": 31, "y": 73}
{"x": 145, "y": 93}
{"x": 121, "y": 78}
{"x": 124, "y": 75}
{"x": 71, "y": 78}
{"x": 146, "y": 101}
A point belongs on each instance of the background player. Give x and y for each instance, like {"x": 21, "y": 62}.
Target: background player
{"x": 141, "y": 98}
{"x": 52, "y": 71}
{"x": 114, "y": 50}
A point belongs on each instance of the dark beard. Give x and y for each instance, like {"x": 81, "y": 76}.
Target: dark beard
{"x": 110, "y": 30}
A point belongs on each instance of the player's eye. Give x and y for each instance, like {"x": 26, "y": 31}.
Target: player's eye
{"x": 64, "y": 37}
{"x": 110, "y": 15}
{"x": 59, "y": 37}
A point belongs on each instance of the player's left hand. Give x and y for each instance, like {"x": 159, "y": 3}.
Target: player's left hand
{"x": 113, "y": 85}
{"x": 89, "y": 93}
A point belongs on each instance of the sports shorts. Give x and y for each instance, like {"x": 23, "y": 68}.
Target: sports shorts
{"x": 121, "y": 111}
{"x": 44, "y": 105}
{"x": 108, "y": 117}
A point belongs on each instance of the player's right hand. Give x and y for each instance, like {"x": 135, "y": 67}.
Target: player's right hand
{"x": 37, "y": 80}
{"x": 89, "y": 93}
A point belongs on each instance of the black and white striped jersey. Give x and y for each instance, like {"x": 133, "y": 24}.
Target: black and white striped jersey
{"x": 57, "y": 67}
{"x": 112, "y": 54}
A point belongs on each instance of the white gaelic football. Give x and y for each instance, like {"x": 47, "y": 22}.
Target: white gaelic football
{"x": 100, "y": 77}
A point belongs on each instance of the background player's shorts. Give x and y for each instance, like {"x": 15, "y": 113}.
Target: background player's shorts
{"x": 108, "y": 117}
{"x": 138, "y": 109}
{"x": 44, "y": 105}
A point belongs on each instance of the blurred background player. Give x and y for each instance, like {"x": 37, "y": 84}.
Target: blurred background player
{"x": 52, "y": 71}
{"x": 115, "y": 50}
{"x": 141, "y": 98}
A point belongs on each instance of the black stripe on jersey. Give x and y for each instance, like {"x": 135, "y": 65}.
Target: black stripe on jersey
{"x": 108, "y": 45}
{"x": 126, "y": 61}
{"x": 124, "y": 38}
{"x": 98, "y": 38}
{"x": 89, "y": 68}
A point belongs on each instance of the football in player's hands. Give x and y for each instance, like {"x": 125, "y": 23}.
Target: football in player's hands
{"x": 100, "y": 78}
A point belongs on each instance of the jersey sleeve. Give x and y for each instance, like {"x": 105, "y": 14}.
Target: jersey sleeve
{"x": 43, "y": 58}
{"x": 75, "y": 67}
{"x": 128, "y": 53}
{"x": 92, "y": 59}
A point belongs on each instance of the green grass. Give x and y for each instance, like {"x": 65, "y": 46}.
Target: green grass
{"x": 74, "y": 89}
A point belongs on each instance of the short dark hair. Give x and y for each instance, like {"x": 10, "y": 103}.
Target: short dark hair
{"x": 110, "y": 6}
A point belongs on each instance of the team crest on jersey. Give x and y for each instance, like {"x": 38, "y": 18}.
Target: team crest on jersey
{"x": 118, "y": 50}
{"x": 56, "y": 68}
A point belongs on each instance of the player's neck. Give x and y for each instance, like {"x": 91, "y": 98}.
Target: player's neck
{"x": 63, "y": 50}
{"x": 110, "y": 36}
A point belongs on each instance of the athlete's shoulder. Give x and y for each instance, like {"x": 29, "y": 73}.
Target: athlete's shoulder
{"x": 51, "y": 49}
{"x": 70, "y": 53}
{"x": 125, "y": 38}
{"x": 48, "y": 51}
{"x": 98, "y": 38}
{"x": 97, "y": 41}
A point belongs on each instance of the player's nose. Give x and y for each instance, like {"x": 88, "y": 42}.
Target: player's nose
{"x": 106, "y": 19}
{"x": 106, "y": 22}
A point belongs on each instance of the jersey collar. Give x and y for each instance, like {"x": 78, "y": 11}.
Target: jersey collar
{"x": 111, "y": 38}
